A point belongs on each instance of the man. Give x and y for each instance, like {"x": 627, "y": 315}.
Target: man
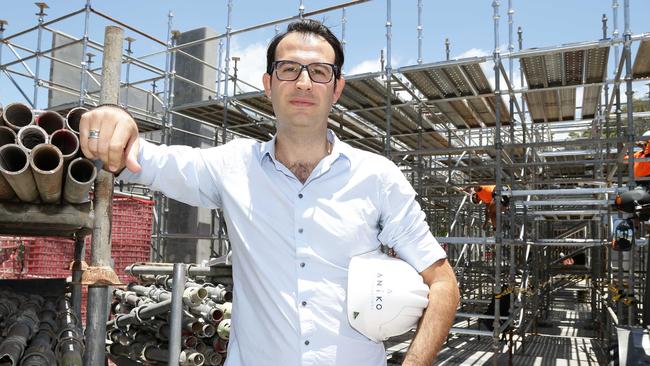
{"x": 297, "y": 209}
{"x": 486, "y": 194}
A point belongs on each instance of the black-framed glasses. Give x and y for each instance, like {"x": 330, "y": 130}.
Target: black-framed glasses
{"x": 319, "y": 72}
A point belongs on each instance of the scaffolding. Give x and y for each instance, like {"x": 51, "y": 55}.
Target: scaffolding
{"x": 447, "y": 128}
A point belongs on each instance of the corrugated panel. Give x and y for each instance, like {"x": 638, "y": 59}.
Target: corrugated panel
{"x": 596, "y": 65}
{"x": 455, "y": 75}
{"x": 483, "y": 110}
{"x": 443, "y": 83}
{"x": 423, "y": 83}
{"x": 553, "y": 65}
{"x": 477, "y": 77}
{"x": 465, "y": 113}
{"x": 568, "y": 103}
{"x": 641, "y": 67}
{"x": 451, "y": 113}
{"x": 534, "y": 71}
{"x": 590, "y": 100}
{"x": 573, "y": 67}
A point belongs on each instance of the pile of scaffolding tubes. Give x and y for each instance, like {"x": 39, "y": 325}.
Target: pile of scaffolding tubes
{"x": 40, "y": 157}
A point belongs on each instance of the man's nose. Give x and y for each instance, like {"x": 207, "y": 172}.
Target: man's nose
{"x": 304, "y": 81}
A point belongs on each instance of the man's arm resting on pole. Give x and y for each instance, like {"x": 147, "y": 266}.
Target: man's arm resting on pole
{"x": 438, "y": 316}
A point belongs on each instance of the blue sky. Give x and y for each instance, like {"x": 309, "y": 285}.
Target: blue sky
{"x": 467, "y": 23}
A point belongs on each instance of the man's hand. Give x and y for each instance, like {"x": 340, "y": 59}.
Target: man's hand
{"x": 110, "y": 134}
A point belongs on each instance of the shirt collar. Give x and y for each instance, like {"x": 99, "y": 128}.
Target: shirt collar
{"x": 338, "y": 147}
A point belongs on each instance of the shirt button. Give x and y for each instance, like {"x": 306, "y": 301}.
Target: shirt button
{"x": 306, "y": 343}
{"x": 304, "y": 303}
{"x": 302, "y": 264}
{"x": 300, "y": 195}
{"x": 300, "y": 230}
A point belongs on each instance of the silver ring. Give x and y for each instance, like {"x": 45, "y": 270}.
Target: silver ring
{"x": 93, "y": 134}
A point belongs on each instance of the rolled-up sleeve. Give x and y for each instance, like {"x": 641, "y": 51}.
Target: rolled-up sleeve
{"x": 402, "y": 221}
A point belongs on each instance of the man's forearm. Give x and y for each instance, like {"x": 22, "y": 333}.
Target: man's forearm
{"x": 436, "y": 321}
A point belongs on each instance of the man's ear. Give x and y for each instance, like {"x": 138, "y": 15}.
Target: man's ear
{"x": 266, "y": 80}
{"x": 338, "y": 89}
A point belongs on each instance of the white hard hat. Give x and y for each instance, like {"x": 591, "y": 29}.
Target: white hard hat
{"x": 386, "y": 296}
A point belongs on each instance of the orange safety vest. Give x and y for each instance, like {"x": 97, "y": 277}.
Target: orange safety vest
{"x": 485, "y": 194}
{"x": 642, "y": 168}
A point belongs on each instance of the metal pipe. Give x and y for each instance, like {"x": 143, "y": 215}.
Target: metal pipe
{"x": 18, "y": 334}
{"x": 389, "y": 78}
{"x": 7, "y": 136}
{"x": 137, "y": 269}
{"x": 176, "y": 314}
{"x": 141, "y": 313}
{"x": 81, "y": 174}
{"x": 70, "y": 346}
{"x": 30, "y": 136}
{"x": 17, "y": 115}
{"x": 46, "y": 162}
{"x": 223, "y": 329}
{"x": 74, "y": 117}
{"x": 190, "y": 357}
{"x": 101, "y": 239}
{"x": 14, "y": 166}
{"x": 50, "y": 121}
{"x": 67, "y": 142}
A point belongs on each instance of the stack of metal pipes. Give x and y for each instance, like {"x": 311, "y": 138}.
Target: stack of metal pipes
{"x": 140, "y": 329}
{"x": 39, "y": 157}
{"x": 39, "y": 331}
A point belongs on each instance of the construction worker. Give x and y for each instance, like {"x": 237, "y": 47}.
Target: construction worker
{"x": 298, "y": 208}
{"x": 642, "y": 168}
{"x": 485, "y": 194}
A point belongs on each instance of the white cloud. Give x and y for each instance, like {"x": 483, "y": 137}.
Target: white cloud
{"x": 371, "y": 65}
{"x": 251, "y": 66}
{"x": 473, "y": 52}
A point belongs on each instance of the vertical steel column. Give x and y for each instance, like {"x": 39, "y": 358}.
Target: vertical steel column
{"x": 619, "y": 147}
{"x": 176, "y": 314}
{"x": 127, "y": 77}
{"x": 301, "y": 9}
{"x": 344, "y": 22}
{"x": 84, "y": 50}
{"x": 419, "y": 31}
{"x": 79, "y": 254}
{"x": 389, "y": 76}
{"x": 39, "y": 37}
{"x": 219, "y": 60}
{"x": 447, "y": 49}
{"x": 97, "y": 307}
{"x": 161, "y": 200}
{"x": 497, "y": 156}
{"x": 511, "y": 211}
{"x": 219, "y": 216}
{"x": 629, "y": 94}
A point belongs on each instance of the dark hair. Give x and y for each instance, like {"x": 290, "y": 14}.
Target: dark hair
{"x": 307, "y": 26}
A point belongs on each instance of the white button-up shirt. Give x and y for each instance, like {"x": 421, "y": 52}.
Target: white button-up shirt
{"x": 292, "y": 242}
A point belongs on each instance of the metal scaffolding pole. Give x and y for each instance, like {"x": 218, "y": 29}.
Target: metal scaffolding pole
{"x": 389, "y": 78}
{"x": 629, "y": 94}
{"x": 497, "y": 197}
{"x": 98, "y": 295}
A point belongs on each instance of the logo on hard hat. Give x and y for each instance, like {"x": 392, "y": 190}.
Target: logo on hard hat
{"x": 379, "y": 291}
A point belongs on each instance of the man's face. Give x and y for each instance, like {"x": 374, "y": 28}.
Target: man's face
{"x": 302, "y": 103}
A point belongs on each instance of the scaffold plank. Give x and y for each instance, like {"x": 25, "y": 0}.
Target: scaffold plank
{"x": 641, "y": 69}
{"x": 558, "y": 192}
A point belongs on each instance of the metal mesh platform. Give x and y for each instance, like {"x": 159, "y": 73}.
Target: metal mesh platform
{"x": 553, "y": 78}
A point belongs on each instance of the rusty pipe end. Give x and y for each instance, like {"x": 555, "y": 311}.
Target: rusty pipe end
{"x": 46, "y": 161}
{"x": 74, "y": 117}
{"x": 14, "y": 166}
{"x": 50, "y": 121}
{"x": 7, "y": 136}
{"x": 30, "y": 136}
{"x": 67, "y": 142}
{"x": 17, "y": 115}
